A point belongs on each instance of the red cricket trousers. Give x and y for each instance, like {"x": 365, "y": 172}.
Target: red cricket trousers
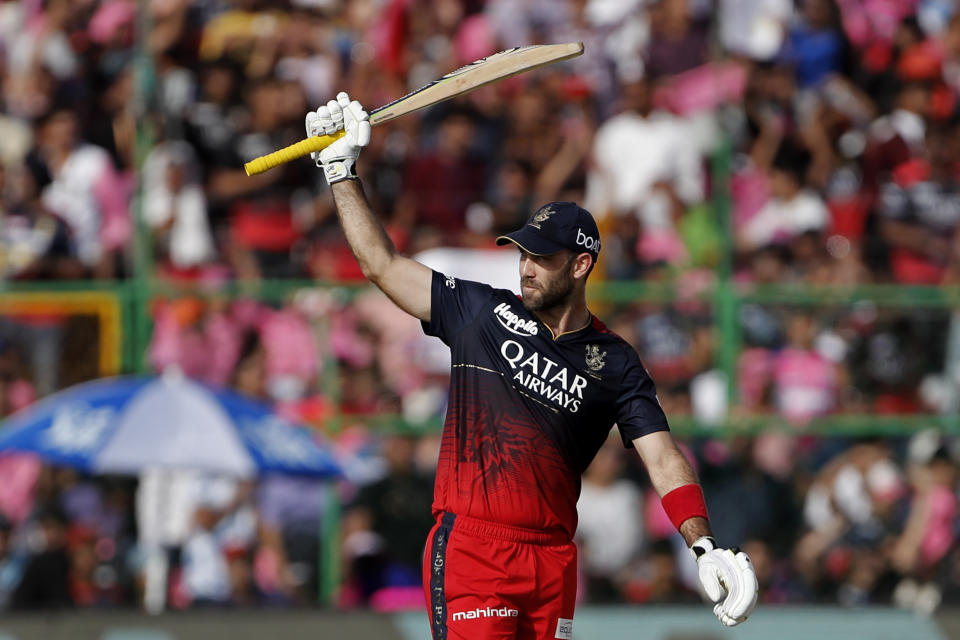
{"x": 486, "y": 581}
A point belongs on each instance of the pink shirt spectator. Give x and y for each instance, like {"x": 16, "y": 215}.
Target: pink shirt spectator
{"x": 288, "y": 340}
{"x": 174, "y": 344}
{"x": 207, "y": 352}
{"x": 753, "y": 375}
{"x": 867, "y": 21}
{"x": 750, "y": 191}
{"x": 19, "y": 472}
{"x": 941, "y": 515}
{"x": 804, "y": 384}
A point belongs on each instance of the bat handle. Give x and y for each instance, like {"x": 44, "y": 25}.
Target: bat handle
{"x": 298, "y": 150}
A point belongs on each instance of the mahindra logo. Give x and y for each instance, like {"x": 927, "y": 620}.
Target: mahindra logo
{"x": 514, "y": 323}
{"x": 587, "y": 242}
{"x": 486, "y": 612}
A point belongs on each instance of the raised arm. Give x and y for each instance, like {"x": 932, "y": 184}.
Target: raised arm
{"x": 405, "y": 281}
{"x": 726, "y": 575}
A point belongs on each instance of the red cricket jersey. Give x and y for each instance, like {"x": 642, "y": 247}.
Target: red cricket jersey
{"x": 527, "y": 411}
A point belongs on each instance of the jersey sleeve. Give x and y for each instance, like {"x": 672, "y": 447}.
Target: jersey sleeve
{"x": 638, "y": 409}
{"x": 454, "y": 304}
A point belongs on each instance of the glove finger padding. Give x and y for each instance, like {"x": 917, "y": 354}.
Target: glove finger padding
{"x": 336, "y": 114}
{"x": 318, "y": 123}
{"x": 728, "y": 579}
{"x": 363, "y": 123}
{"x": 324, "y": 123}
{"x": 312, "y": 124}
{"x": 710, "y": 579}
{"x": 741, "y": 601}
{"x": 338, "y": 159}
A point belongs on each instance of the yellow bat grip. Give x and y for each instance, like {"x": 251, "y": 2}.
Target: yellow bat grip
{"x": 294, "y": 151}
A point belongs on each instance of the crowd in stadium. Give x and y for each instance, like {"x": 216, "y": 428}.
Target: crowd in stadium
{"x": 840, "y": 123}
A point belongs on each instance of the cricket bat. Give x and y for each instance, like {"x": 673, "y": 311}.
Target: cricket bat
{"x": 476, "y": 74}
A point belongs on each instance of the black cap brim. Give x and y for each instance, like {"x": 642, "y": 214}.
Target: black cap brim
{"x": 531, "y": 242}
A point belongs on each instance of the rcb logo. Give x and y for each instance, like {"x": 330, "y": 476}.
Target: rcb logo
{"x": 541, "y": 216}
{"x": 595, "y": 360}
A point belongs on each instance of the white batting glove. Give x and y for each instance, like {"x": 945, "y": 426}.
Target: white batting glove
{"x": 339, "y": 158}
{"x": 728, "y": 579}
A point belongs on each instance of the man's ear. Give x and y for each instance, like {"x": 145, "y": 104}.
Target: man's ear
{"x": 582, "y": 264}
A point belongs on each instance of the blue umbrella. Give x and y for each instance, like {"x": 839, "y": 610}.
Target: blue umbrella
{"x": 128, "y": 424}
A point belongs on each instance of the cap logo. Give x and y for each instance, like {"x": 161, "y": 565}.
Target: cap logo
{"x": 541, "y": 216}
{"x": 588, "y": 242}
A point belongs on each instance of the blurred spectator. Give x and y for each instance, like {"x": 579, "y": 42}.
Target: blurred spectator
{"x": 386, "y": 524}
{"x": 646, "y": 164}
{"x": 86, "y": 191}
{"x": 206, "y": 575}
{"x": 34, "y": 243}
{"x": 440, "y": 184}
{"x": 805, "y": 382}
{"x": 850, "y": 509}
{"x": 44, "y": 583}
{"x": 678, "y": 42}
{"x": 35, "y": 338}
{"x": 291, "y": 511}
{"x": 10, "y": 565}
{"x": 658, "y": 578}
{"x": 816, "y": 44}
{"x": 610, "y": 528}
{"x": 216, "y": 566}
{"x": 262, "y": 209}
{"x": 920, "y": 211}
{"x": 930, "y": 531}
{"x": 753, "y": 28}
{"x": 791, "y": 210}
{"x": 175, "y": 207}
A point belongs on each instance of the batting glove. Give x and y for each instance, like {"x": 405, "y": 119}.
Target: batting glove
{"x": 339, "y": 158}
{"x": 728, "y": 579}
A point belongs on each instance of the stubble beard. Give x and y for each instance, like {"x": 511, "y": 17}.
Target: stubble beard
{"x": 551, "y": 296}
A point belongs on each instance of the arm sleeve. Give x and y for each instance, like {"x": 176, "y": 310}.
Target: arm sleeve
{"x": 454, "y": 304}
{"x": 638, "y": 409}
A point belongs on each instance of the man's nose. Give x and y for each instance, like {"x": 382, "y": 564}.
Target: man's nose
{"x": 526, "y": 267}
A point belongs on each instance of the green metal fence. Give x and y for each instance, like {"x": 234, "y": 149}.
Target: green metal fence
{"x": 134, "y": 298}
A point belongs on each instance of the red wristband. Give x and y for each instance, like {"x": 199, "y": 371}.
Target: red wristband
{"x": 684, "y": 503}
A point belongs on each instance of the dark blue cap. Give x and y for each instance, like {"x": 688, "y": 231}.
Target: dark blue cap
{"x": 557, "y": 226}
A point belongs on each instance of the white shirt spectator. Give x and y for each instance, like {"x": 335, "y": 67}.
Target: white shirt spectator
{"x": 53, "y": 51}
{"x": 754, "y": 28}
{"x": 632, "y": 153}
{"x": 181, "y": 205}
{"x": 205, "y": 572}
{"x": 91, "y": 197}
{"x": 781, "y": 220}
{"x": 609, "y": 526}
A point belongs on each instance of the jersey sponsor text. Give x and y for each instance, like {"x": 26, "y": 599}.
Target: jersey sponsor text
{"x": 514, "y": 323}
{"x": 542, "y": 375}
{"x": 486, "y": 612}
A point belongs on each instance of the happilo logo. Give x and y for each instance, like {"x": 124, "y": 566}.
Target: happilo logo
{"x": 564, "y": 629}
{"x": 514, "y": 323}
{"x": 587, "y": 242}
{"x": 485, "y": 612}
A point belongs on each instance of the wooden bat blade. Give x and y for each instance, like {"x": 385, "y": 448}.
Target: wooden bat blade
{"x": 467, "y": 78}
{"x": 476, "y": 74}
